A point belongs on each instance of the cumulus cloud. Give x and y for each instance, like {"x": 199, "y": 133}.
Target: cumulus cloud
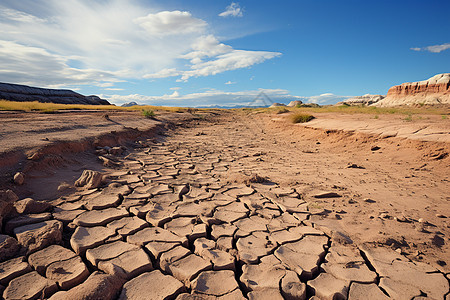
{"x": 233, "y": 60}
{"x": 75, "y": 42}
{"x": 230, "y": 82}
{"x": 36, "y": 66}
{"x": 433, "y": 49}
{"x": 171, "y": 23}
{"x": 233, "y": 10}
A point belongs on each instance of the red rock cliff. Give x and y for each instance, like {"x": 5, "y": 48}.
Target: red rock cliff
{"x": 435, "y": 90}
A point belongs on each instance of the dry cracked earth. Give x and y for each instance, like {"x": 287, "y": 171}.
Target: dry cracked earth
{"x": 185, "y": 217}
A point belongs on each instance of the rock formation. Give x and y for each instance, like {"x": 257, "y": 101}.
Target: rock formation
{"x": 294, "y": 103}
{"x": 22, "y": 93}
{"x": 276, "y": 104}
{"x": 364, "y": 100}
{"x": 435, "y": 90}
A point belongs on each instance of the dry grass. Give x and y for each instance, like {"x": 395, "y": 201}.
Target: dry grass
{"x": 300, "y": 118}
{"x": 53, "y": 107}
{"x": 358, "y": 110}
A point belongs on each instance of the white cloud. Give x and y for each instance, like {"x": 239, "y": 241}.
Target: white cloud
{"x": 175, "y": 88}
{"x": 75, "y": 42}
{"x": 230, "y": 82}
{"x": 433, "y": 49}
{"x": 233, "y": 10}
{"x": 171, "y": 23}
{"x": 36, "y": 66}
{"x": 233, "y": 60}
{"x": 326, "y": 98}
{"x": 206, "y": 46}
{"x": 114, "y": 89}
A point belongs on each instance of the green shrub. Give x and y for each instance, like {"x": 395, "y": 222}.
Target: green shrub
{"x": 301, "y": 118}
{"x": 148, "y": 113}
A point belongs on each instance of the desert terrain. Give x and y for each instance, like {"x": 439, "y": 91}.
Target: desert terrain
{"x": 224, "y": 204}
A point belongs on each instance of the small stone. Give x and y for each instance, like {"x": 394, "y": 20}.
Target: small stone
{"x": 327, "y": 195}
{"x": 421, "y": 220}
{"x": 89, "y": 179}
{"x": 161, "y": 287}
{"x": 441, "y": 216}
{"x": 19, "y": 178}
{"x": 369, "y": 200}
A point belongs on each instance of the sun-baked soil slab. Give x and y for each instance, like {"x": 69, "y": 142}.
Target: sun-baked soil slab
{"x": 154, "y": 285}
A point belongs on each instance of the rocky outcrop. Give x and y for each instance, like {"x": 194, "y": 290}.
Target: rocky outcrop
{"x": 276, "y": 104}
{"x": 295, "y": 103}
{"x": 364, "y": 100}
{"x": 435, "y": 90}
{"x": 22, "y": 93}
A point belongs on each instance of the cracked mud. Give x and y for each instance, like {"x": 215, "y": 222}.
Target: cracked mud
{"x": 171, "y": 225}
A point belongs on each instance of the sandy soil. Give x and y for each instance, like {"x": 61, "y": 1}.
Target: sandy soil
{"x": 388, "y": 179}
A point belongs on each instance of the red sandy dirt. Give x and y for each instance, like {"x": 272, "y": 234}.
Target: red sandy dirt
{"x": 359, "y": 185}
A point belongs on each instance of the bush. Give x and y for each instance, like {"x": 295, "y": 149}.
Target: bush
{"x": 301, "y": 118}
{"x": 148, "y": 113}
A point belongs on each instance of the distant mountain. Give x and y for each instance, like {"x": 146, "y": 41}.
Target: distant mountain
{"x": 129, "y": 104}
{"x": 22, "y": 93}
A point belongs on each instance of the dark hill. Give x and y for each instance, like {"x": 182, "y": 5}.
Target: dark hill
{"x": 22, "y": 93}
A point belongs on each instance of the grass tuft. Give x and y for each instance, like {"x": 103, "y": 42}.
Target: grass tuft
{"x": 148, "y": 113}
{"x": 301, "y": 118}
{"x": 282, "y": 110}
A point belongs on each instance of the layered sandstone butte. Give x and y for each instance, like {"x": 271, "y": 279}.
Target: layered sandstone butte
{"x": 435, "y": 90}
{"x": 366, "y": 99}
{"x": 22, "y": 93}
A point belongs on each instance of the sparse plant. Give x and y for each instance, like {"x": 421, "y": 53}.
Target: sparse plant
{"x": 148, "y": 113}
{"x": 408, "y": 118}
{"x": 444, "y": 117}
{"x": 301, "y": 118}
{"x": 282, "y": 110}
{"x": 376, "y": 117}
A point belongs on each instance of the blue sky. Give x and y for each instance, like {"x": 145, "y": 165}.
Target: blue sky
{"x": 205, "y": 52}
